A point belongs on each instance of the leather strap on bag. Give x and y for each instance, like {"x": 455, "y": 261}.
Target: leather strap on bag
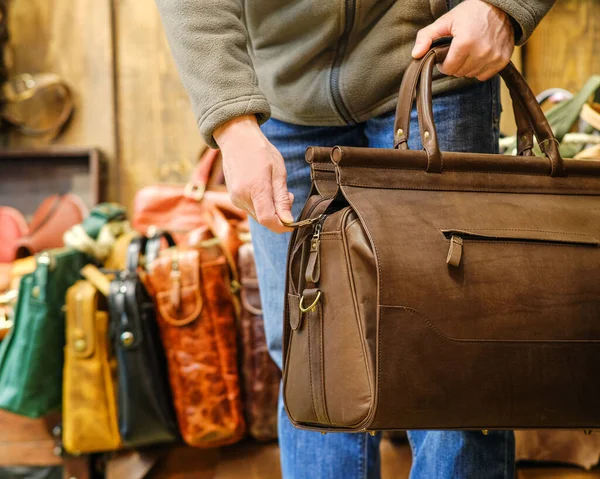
{"x": 408, "y": 90}
{"x": 100, "y": 281}
{"x": 527, "y": 107}
{"x": 202, "y": 173}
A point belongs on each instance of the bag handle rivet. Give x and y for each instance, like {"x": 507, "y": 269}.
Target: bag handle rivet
{"x": 35, "y": 292}
{"x": 127, "y": 338}
{"x": 123, "y": 289}
{"x": 80, "y": 345}
{"x": 485, "y": 432}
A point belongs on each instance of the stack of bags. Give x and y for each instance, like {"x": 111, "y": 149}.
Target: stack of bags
{"x": 161, "y": 332}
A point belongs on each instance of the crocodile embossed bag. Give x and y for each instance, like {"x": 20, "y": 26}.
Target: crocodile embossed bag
{"x": 194, "y": 290}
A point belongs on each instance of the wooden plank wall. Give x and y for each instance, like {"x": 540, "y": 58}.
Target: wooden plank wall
{"x": 130, "y": 103}
{"x": 128, "y": 98}
{"x": 564, "y": 51}
{"x": 157, "y": 135}
{"x": 74, "y": 40}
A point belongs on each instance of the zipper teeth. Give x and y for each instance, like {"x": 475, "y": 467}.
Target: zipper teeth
{"x": 338, "y": 101}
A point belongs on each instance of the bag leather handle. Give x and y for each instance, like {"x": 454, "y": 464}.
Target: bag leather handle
{"x": 201, "y": 174}
{"x": 408, "y": 89}
{"x": 527, "y": 111}
{"x": 154, "y": 245}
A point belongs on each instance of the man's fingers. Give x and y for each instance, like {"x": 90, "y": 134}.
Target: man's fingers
{"x": 264, "y": 206}
{"x": 456, "y": 59}
{"x": 283, "y": 207}
{"x": 440, "y": 28}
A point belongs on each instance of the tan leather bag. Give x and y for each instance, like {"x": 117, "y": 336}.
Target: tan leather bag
{"x": 442, "y": 290}
{"x": 181, "y": 209}
{"x": 194, "y": 290}
{"x": 89, "y": 396}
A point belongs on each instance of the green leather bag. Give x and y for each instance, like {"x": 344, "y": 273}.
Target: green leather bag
{"x": 31, "y": 356}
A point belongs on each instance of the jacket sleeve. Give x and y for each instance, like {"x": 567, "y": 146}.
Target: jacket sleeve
{"x": 527, "y": 13}
{"x": 208, "y": 42}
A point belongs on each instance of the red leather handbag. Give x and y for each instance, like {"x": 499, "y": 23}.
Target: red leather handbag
{"x": 13, "y": 227}
{"x": 55, "y": 215}
{"x": 180, "y": 209}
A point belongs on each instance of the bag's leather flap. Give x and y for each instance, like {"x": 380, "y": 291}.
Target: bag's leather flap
{"x": 124, "y": 307}
{"x": 81, "y": 316}
{"x": 175, "y": 278}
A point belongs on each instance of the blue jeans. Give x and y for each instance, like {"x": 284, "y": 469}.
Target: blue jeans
{"x": 466, "y": 120}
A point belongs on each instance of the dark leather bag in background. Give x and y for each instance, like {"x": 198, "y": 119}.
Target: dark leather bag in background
{"x": 261, "y": 376}
{"x": 438, "y": 290}
{"x": 145, "y": 411}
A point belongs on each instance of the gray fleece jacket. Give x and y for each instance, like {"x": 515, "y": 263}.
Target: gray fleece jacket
{"x": 325, "y": 62}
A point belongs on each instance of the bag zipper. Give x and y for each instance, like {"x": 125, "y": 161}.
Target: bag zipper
{"x": 338, "y": 101}
{"x": 458, "y": 238}
{"x": 313, "y": 265}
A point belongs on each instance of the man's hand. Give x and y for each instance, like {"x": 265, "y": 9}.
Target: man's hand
{"x": 255, "y": 173}
{"x": 483, "y": 40}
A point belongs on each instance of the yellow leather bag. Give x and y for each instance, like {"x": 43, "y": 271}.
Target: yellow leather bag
{"x": 89, "y": 396}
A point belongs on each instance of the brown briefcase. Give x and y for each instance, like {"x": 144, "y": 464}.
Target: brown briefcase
{"x": 438, "y": 290}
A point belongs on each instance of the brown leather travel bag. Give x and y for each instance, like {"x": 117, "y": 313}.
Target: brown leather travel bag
{"x": 194, "y": 290}
{"x": 438, "y": 290}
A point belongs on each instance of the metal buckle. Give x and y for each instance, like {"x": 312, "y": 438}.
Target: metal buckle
{"x": 194, "y": 191}
{"x": 313, "y": 305}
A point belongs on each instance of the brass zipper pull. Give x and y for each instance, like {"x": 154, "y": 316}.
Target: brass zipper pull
{"x": 313, "y": 266}
{"x": 455, "y": 251}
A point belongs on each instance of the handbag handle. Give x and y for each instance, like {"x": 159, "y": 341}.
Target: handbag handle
{"x": 201, "y": 174}
{"x": 407, "y": 92}
{"x": 527, "y": 111}
{"x": 154, "y": 245}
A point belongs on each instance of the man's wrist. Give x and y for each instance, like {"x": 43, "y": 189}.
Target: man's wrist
{"x": 234, "y": 128}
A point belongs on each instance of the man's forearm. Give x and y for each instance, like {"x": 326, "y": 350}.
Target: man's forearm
{"x": 208, "y": 42}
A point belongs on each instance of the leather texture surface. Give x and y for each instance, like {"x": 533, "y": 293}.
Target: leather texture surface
{"x": 146, "y": 413}
{"x": 89, "y": 394}
{"x": 446, "y": 290}
{"x": 196, "y": 315}
{"x": 261, "y": 376}
{"x": 31, "y": 356}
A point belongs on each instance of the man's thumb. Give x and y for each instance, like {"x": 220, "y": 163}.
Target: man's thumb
{"x": 440, "y": 28}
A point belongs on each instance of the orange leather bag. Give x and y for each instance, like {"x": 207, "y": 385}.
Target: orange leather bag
{"x": 180, "y": 209}
{"x": 195, "y": 291}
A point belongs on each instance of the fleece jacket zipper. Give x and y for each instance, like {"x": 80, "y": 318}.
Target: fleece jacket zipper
{"x": 340, "y": 106}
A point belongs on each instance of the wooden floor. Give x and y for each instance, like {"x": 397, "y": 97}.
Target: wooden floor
{"x": 251, "y": 461}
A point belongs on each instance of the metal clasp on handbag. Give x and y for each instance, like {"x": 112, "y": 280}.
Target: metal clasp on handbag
{"x": 301, "y": 223}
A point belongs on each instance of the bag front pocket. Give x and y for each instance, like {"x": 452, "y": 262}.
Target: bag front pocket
{"x": 458, "y": 238}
